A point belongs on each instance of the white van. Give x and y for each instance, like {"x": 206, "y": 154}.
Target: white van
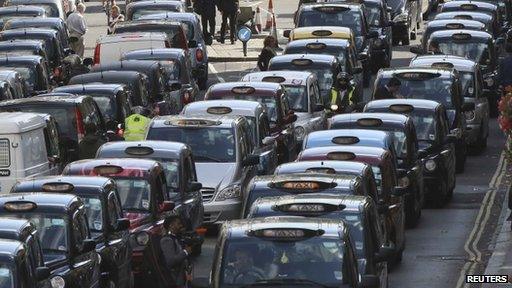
{"x": 22, "y": 148}
{"x": 110, "y": 48}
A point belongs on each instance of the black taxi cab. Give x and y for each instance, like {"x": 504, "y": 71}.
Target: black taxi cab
{"x": 488, "y": 20}
{"x": 24, "y": 11}
{"x": 438, "y": 84}
{"x": 61, "y": 222}
{"x": 475, "y": 6}
{"x": 274, "y": 98}
{"x": 24, "y": 47}
{"x": 180, "y": 173}
{"x": 296, "y": 252}
{"x": 473, "y": 90}
{"x": 406, "y": 147}
{"x": 141, "y": 186}
{"x": 303, "y": 183}
{"x": 105, "y": 217}
{"x": 435, "y": 143}
{"x": 358, "y": 212}
{"x": 325, "y": 67}
{"x": 478, "y": 46}
{"x": 33, "y": 68}
{"x": 27, "y": 268}
{"x": 390, "y": 196}
{"x": 449, "y": 24}
{"x": 255, "y": 113}
{"x": 341, "y": 48}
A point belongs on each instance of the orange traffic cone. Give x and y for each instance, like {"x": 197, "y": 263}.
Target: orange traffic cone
{"x": 258, "y": 20}
{"x": 270, "y": 14}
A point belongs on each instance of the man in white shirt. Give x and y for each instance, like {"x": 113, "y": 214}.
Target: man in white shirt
{"x": 77, "y": 28}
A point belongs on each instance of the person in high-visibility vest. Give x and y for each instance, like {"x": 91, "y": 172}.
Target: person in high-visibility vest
{"x": 136, "y": 125}
{"x": 342, "y": 94}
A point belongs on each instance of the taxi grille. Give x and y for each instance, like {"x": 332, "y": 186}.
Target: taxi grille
{"x": 207, "y": 194}
{"x": 5, "y": 158}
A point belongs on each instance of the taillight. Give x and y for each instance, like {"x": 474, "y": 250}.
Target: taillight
{"x": 97, "y": 51}
{"x": 199, "y": 55}
{"x": 79, "y": 124}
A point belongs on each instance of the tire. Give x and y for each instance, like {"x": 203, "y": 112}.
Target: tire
{"x": 438, "y": 200}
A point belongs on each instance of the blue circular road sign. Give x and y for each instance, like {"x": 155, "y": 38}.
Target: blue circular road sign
{"x": 244, "y": 34}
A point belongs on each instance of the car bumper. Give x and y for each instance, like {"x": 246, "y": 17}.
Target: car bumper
{"x": 472, "y": 133}
{"x": 431, "y": 183}
{"x": 217, "y": 211}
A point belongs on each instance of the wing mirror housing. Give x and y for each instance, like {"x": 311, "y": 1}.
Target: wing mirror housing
{"x": 166, "y": 206}
{"x": 401, "y": 173}
{"x": 194, "y": 186}
{"x": 362, "y": 56}
{"x": 251, "y": 160}
{"x": 88, "y": 62}
{"x": 417, "y": 50}
{"x": 286, "y": 33}
{"x": 122, "y": 224}
{"x": 192, "y": 44}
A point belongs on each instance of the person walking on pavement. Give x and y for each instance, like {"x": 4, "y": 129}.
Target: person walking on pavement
{"x": 174, "y": 254}
{"x": 115, "y": 17}
{"x": 207, "y": 9}
{"x": 77, "y": 27}
{"x": 267, "y": 53}
{"x": 229, "y": 10}
{"x": 136, "y": 124}
{"x": 91, "y": 142}
{"x": 389, "y": 90}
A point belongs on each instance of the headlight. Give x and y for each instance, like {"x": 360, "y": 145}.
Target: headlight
{"x": 334, "y": 107}
{"x": 430, "y": 165}
{"x": 404, "y": 182}
{"x": 142, "y": 238}
{"x": 58, "y": 282}
{"x": 401, "y": 18}
{"x": 299, "y": 133}
{"x": 229, "y": 193}
{"x": 470, "y": 115}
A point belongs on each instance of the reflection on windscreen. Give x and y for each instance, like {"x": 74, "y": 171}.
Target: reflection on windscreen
{"x": 467, "y": 80}
{"x": 172, "y": 68}
{"x": 94, "y": 213}
{"x": 373, "y": 14}
{"x": 425, "y": 127}
{"x": 399, "y": 139}
{"x": 106, "y": 105}
{"x": 208, "y": 144}
{"x": 253, "y": 260}
{"x": 297, "y": 98}
{"x": 325, "y": 79}
{"x": 349, "y": 18}
{"x": 470, "y": 50}
{"x": 436, "y": 89}
{"x": 134, "y": 193}
{"x": 6, "y": 276}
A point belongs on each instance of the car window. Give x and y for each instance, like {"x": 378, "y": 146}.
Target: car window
{"x": 79, "y": 227}
{"x": 264, "y": 127}
{"x": 33, "y": 148}
{"x": 113, "y": 206}
{"x": 94, "y": 213}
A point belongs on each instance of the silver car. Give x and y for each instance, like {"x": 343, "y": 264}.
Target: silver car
{"x": 473, "y": 89}
{"x": 304, "y": 98}
{"x": 221, "y": 146}
{"x": 264, "y": 145}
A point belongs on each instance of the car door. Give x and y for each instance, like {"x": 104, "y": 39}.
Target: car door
{"x": 481, "y": 103}
{"x": 245, "y": 147}
{"x": 117, "y": 242}
{"x": 288, "y": 129}
{"x": 319, "y": 119}
{"x": 84, "y": 268}
{"x": 374, "y": 242}
{"x": 447, "y": 149}
{"x": 191, "y": 200}
{"x": 396, "y": 209}
{"x": 268, "y": 152}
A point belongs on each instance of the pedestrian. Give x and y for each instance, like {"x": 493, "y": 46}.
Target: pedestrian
{"x": 229, "y": 10}
{"x": 389, "y": 90}
{"x": 136, "y": 124}
{"x": 112, "y": 131}
{"x": 91, "y": 142}
{"x": 77, "y": 27}
{"x": 268, "y": 52}
{"x": 174, "y": 254}
{"x": 115, "y": 17}
{"x": 207, "y": 10}
{"x": 434, "y": 48}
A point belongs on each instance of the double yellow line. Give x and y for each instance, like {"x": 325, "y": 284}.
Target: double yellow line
{"x": 482, "y": 219}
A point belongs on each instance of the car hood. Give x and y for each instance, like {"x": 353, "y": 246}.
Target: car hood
{"x": 215, "y": 175}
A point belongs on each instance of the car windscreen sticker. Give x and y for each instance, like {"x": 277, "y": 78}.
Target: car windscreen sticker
{"x": 145, "y": 204}
{"x": 432, "y": 137}
{"x": 97, "y": 225}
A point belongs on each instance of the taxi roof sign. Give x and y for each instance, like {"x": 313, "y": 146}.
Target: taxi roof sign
{"x": 464, "y": 17}
{"x": 417, "y": 76}
{"x": 57, "y": 187}
{"x": 243, "y": 90}
{"x": 322, "y": 33}
{"x": 345, "y": 140}
{"x": 401, "y": 108}
{"x": 455, "y": 26}
{"x": 308, "y": 208}
{"x": 300, "y": 185}
{"x": 285, "y": 233}
{"x": 442, "y": 65}
{"x": 369, "y": 122}
{"x": 20, "y": 206}
{"x": 468, "y": 6}
{"x": 273, "y": 79}
{"x": 461, "y": 36}
{"x": 331, "y": 9}
{"x": 341, "y": 156}
{"x": 219, "y": 110}
{"x": 192, "y": 122}
{"x": 321, "y": 170}
{"x": 139, "y": 150}
{"x": 316, "y": 45}
{"x": 302, "y": 62}
{"x": 108, "y": 169}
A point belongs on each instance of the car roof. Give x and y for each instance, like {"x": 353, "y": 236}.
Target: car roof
{"x": 343, "y": 181}
{"x": 49, "y": 202}
{"x": 38, "y": 20}
{"x": 21, "y": 59}
{"x": 262, "y": 88}
{"x": 122, "y": 76}
{"x": 237, "y": 107}
{"x": 215, "y": 120}
{"x": 144, "y": 66}
{"x": 155, "y": 3}
{"x": 21, "y": 2}
{"x": 350, "y": 202}
{"x": 459, "y": 63}
{"x": 11, "y": 228}
{"x": 316, "y": 58}
{"x": 452, "y": 14}
{"x": 327, "y": 41}
{"x": 132, "y": 37}
{"x": 10, "y": 248}
{"x": 81, "y": 184}
{"x": 89, "y": 87}
{"x": 29, "y": 30}
{"x": 449, "y": 33}
{"x": 22, "y": 42}
{"x": 160, "y": 149}
{"x": 389, "y": 72}
{"x": 312, "y": 6}
{"x": 416, "y": 103}
{"x": 348, "y": 166}
{"x": 164, "y": 52}
{"x": 479, "y": 4}
{"x": 70, "y": 98}
{"x": 22, "y": 8}
{"x": 297, "y": 78}
{"x": 20, "y": 122}
{"x": 373, "y": 154}
{"x": 385, "y": 117}
{"x": 177, "y": 16}
{"x": 127, "y": 163}
{"x": 360, "y": 133}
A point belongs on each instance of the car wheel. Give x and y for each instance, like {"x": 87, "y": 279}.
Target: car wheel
{"x": 202, "y": 83}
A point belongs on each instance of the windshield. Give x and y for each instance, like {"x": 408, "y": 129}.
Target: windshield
{"x": 28, "y": 74}
{"x": 336, "y": 51}
{"x": 189, "y": 30}
{"x": 325, "y": 79}
{"x": 315, "y": 259}
{"x": 143, "y": 12}
{"x": 436, "y": 89}
{"x": 477, "y": 52}
{"x": 210, "y": 144}
{"x": 94, "y": 212}
{"x": 425, "y": 126}
{"x": 298, "y": 98}
{"x": 6, "y": 276}
{"x": 172, "y": 68}
{"x": 135, "y": 194}
{"x": 373, "y": 16}
{"x": 467, "y": 80}
{"x": 395, "y": 4}
{"x": 347, "y": 18}
{"x": 106, "y": 104}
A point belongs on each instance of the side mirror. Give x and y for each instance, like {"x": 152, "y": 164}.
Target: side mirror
{"x": 200, "y": 282}
{"x": 87, "y": 61}
{"x": 401, "y": 173}
{"x": 318, "y": 107}
{"x": 286, "y": 33}
{"x": 385, "y": 254}
{"x": 175, "y": 86}
{"x": 89, "y": 245}
{"x": 417, "y": 50}
{"x": 194, "y": 186}
{"x": 251, "y": 160}
{"x": 388, "y": 9}
{"x": 369, "y": 281}
{"x": 362, "y": 57}
{"x": 122, "y": 224}
{"x": 372, "y": 34}
{"x": 192, "y": 44}
{"x": 269, "y": 140}
{"x": 500, "y": 41}
{"x": 42, "y": 273}
{"x": 68, "y": 52}
{"x": 166, "y": 206}
{"x": 357, "y": 70}
{"x": 468, "y": 106}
